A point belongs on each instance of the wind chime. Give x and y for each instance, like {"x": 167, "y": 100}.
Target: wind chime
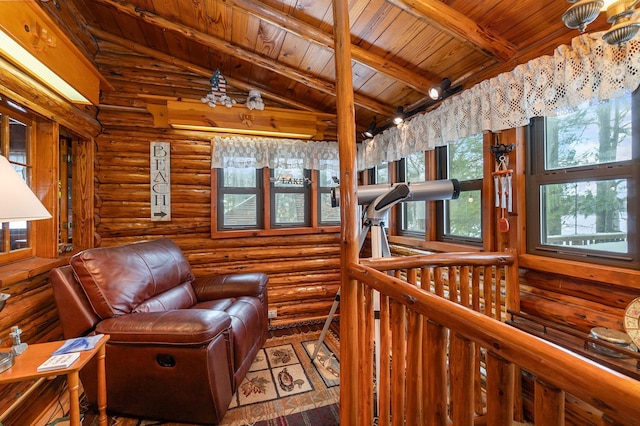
{"x": 502, "y": 184}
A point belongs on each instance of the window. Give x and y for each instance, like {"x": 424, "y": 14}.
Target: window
{"x": 270, "y": 200}
{"x": 582, "y": 192}
{"x": 328, "y": 179}
{"x": 460, "y": 220}
{"x": 290, "y": 192}
{"x": 239, "y": 198}
{"x": 413, "y": 213}
{"x": 15, "y": 145}
{"x": 65, "y": 196}
{"x": 379, "y": 174}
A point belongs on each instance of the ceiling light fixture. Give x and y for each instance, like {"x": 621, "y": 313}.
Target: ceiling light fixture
{"x": 436, "y": 91}
{"x": 619, "y": 13}
{"x": 371, "y": 130}
{"x": 398, "y": 118}
{"x": 12, "y": 50}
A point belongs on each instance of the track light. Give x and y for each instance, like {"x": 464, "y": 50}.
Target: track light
{"x": 398, "y": 118}
{"x": 370, "y": 130}
{"x": 436, "y": 91}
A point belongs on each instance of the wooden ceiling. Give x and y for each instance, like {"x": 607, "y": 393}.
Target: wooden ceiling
{"x": 284, "y": 48}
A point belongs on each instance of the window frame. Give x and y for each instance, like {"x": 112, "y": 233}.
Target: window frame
{"x": 323, "y": 190}
{"x": 6, "y": 114}
{"x": 401, "y": 217}
{"x": 442, "y": 172}
{"x": 265, "y": 212}
{"x": 304, "y": 189}
{"x": 222, "y": 191}
{"x": 537, "y": 176}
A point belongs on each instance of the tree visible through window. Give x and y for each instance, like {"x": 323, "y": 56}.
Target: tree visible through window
{"x": 413, "y": 213}
{"x": 461, "y": 219}
{"x": 239, "y": 195}
{"x": 584, "y": 174}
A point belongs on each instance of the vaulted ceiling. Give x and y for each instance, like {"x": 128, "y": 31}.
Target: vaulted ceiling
{"x": 284, "y": 48}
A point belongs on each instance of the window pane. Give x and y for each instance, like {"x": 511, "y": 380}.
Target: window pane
{"x": 382, "y": 173}
{"x": 328, "y": 213}
{"x": 289, "y": 178}
{"x": 465, "y": 158}
{"x": 415, "y": 168}
{"x": 18, "y": 231}
{"x": 594, "y": 134}
{"x": 460, "y": 220}
{"x": 586, "y": 215}
{"x": 464, "y": 215}
{"x": 239, "y": 177}
{"x": 289, "y": 208}
{"x": 415, "y": 214}
{"x": 240, "y": 210}
{"x": 329, "y": 174}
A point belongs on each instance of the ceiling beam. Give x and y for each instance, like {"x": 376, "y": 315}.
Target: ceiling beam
{"x": 196, "y": 69}
{"x": 238, "y": 52}
{"x": 459, "y": 26}
{"x": 419, "y": 82}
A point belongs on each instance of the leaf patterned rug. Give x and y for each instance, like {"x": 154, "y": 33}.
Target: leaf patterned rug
{"x": 283, "y": 388}
{"x": 284, "y": 381}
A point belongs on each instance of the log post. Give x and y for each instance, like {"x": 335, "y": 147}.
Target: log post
{"x": 366, "y": 317}
{"x": 549, "y": 405}
{"x": 348, "y": 213}
{"x": 414, "y": 361}
{"x": 461, "y": 376}
{"x": 499, "y": 391}
{"x": 435, "y": 374}
{"x": 398, "y": 359}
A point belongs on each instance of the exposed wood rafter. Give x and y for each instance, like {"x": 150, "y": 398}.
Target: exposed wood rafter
{"x": 419, "y": 82}
{"x": 457, "y": 25}
{"x": 196, "y": 69}
{"x": 236, "y": 51}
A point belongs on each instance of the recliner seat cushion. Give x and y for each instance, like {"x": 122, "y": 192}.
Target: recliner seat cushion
{"x": 117, "y": 280}
{"x": 246, "y": 326}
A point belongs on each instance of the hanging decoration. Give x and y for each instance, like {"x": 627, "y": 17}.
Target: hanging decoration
{"x": 254, "y": 100}
{"x": 218, "y": 94}
{"x": 218, "y": 91}
{"x": 502, "y": 184}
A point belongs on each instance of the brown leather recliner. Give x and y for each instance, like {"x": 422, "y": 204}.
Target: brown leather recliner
{"x": 179, "y": 345}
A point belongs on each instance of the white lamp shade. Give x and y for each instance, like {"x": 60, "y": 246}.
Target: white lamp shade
{"x": 17, "y": 201}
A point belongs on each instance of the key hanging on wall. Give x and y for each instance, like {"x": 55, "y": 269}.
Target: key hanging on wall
{"x": 502, "y": 181}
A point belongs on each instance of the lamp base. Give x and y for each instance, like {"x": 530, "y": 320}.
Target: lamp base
{"x": 6, "y": 361}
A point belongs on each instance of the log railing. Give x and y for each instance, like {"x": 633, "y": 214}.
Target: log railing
{"x": 446, "y": 359}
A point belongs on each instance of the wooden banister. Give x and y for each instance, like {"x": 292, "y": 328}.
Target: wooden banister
{"x": 465, "y": 329}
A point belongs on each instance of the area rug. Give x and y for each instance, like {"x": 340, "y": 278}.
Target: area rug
{"x": 285, "y": 387}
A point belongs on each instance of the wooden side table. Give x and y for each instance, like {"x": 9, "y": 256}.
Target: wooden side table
{"x": 25, "y": 369}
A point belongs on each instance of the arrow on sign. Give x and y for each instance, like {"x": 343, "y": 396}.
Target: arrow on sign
{"x": 161, "y": 214}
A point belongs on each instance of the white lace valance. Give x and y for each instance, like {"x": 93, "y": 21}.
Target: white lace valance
{"x": 256, "y": 153}
{"x": 589, "y": 69}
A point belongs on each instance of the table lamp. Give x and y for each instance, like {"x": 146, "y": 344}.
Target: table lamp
{"x": 18, "y": 204}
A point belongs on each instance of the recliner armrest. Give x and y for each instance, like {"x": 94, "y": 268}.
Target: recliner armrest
{"x": 177, "y": 327}
{"x": 231, "y": 285}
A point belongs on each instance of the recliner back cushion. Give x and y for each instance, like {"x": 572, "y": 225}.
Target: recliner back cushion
{"x": 119, "y": 279}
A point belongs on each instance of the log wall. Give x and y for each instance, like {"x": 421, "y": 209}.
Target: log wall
{"x": 303, "y": 269}
{"x": 573, "y": 302}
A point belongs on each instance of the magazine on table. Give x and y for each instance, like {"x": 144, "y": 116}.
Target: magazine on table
{"x": 57, "y": 362}
{"x": 78, "y": 344}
